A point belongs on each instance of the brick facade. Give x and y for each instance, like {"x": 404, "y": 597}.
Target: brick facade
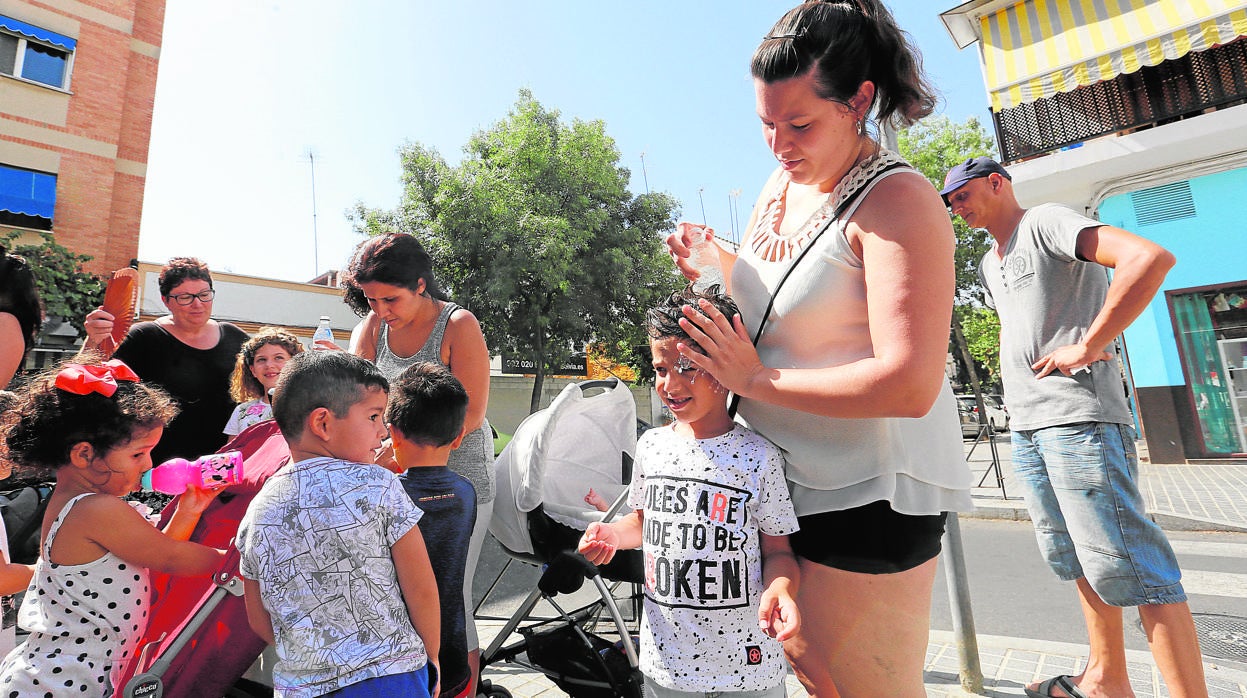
{"x": 94, "y": 136}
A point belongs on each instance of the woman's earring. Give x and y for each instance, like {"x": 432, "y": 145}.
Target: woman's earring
{"x": 861, "y": 126}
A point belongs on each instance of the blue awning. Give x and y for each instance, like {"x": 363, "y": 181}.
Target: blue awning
{"x": 27, "y": 193}
{"x": 34, "y": 32}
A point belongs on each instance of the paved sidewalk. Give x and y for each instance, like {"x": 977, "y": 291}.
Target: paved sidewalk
{"x": 1008, "y": 665}
{"x": 1179, "y": 497}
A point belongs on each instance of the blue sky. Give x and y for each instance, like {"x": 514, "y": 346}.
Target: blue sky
{"x": 248, "y": 88}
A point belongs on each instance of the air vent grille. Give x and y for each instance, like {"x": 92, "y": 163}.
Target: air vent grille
{"x": 1169, "y": 202}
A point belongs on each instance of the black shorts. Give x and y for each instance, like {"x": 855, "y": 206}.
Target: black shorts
{"x": 871, "y": 539}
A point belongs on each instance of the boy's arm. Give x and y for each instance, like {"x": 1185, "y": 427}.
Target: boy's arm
{"x": 419, "y": 586}
{"x": 257, "y": 617}
{"x": 15, "y": 577}
{"x": 777, "y": 610}
{"x": 601, "y": 539}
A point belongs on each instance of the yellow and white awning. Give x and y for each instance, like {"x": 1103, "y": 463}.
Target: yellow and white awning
{"x": 1037, "y": 48}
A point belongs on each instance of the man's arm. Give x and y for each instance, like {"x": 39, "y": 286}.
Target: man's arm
{"x": 1139, "y": 266}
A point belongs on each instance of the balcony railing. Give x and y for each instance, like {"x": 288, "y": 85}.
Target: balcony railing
{"x": 1173, "y": 90}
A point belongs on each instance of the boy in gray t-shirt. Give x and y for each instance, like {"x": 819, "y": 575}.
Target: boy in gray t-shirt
{"x": 335, "y": 571}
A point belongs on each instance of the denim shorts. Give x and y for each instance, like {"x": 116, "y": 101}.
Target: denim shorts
{"x": 1081, "y": 488}
{"x": 654, "y": 690}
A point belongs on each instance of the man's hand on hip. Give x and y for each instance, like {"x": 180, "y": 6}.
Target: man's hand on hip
{"x": 1069, "y": 360}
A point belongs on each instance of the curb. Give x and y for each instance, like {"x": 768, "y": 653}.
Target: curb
{"x": 1220, "y": 674}
{"x": 1005, "y": 510}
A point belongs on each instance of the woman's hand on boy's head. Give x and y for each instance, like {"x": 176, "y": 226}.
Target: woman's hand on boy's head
{"x": 599, "y": 543}
{"x": 727, "y": 352}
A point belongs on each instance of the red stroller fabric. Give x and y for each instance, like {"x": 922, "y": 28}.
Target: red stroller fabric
{"x": 224, "y": 647}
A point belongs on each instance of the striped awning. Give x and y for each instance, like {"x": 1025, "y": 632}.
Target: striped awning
{"x": 1038, "y": 48}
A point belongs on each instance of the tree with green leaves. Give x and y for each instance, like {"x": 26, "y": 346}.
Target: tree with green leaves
{"x": 65, "y": 289}
{"x": 934, "y": 146}
{"x": 536, "y": 232}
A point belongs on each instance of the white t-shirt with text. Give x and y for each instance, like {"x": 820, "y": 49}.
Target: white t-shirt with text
{"x": 704, "y": 503}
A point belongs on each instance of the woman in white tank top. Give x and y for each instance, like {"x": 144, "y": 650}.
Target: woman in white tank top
{"x": 848, "y": 374}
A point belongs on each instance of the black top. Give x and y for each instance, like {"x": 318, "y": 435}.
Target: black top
{"x": 197, "y": 378}
{"x": 448, "y": 501}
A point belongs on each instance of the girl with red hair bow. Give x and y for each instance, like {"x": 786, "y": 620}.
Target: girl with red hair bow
{"x": 92, "y": 427}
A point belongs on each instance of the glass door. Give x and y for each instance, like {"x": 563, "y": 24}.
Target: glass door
{"x": 1234, "y": 358}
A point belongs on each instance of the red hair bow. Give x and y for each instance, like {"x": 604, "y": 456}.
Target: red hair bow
{"x": 82, "y": 380}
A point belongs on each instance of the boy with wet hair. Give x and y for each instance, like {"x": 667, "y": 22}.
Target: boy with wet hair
{"x": 336, "y": 573}
{"x": 712, "y": 514}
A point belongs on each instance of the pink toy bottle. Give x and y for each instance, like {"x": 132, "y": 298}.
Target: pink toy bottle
{"x": 209, "y": 472}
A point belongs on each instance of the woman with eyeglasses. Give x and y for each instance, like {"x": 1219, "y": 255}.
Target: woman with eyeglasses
{"x": 187, "y": 353}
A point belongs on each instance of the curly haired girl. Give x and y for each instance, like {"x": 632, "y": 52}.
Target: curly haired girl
{"x": 255, "y": 373}
{"x": 92, "y": 427}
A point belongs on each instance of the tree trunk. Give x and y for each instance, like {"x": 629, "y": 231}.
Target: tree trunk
{"x": 960, "y": 338}
{"x": 539, "y": 363}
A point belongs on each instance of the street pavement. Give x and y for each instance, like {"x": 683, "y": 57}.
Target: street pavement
{"x": 1179, "y": 498}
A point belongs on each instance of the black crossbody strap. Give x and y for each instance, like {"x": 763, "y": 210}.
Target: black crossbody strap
{"x": 835, "y": 216}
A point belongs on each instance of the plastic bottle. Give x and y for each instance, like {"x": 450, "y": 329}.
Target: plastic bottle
{"x": 703, "y": 256}
{"x": 207, "y": 472}
{"x": 322, "y": 331}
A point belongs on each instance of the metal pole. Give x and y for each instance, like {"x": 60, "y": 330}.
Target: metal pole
{"x": 644, "y": 175}
{"x": 703, "y": 205}
{"x": 311, "y": 159}
{"x": 971, "y": 673}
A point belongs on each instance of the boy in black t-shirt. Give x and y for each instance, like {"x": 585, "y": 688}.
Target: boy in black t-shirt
{"x": 425, "y": 416}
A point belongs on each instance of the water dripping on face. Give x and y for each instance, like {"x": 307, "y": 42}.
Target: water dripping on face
{"x": 684, "y": 365}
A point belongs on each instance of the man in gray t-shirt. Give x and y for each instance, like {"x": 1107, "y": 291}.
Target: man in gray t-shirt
{"x": 1073, "y": 445}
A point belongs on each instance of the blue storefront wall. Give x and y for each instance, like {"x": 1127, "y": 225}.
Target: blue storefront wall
{"x": 1211, "y": 248}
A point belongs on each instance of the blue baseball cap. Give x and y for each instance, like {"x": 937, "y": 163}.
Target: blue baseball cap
{"x": 973, "y": 168}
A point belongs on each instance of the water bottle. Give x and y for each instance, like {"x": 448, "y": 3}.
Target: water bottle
{"x": 322, "y": 331}
{"x": 206, "y": 472}
{"x": 703, "y": 256}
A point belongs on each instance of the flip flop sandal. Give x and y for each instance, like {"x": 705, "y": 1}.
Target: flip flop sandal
{"x": 1062, "y": 682}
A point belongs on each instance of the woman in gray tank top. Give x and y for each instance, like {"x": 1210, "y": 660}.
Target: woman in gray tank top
{"x": 408, "y": 319}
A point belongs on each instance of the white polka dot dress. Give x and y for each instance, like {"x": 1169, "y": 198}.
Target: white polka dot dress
{"x": 83, "y": 621}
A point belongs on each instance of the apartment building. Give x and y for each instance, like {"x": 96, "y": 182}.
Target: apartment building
{"x": 77, "y": 87}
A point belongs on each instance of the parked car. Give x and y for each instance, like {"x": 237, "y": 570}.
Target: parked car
{"x": 996, "y": 411}
{"x": 969, "y": 420}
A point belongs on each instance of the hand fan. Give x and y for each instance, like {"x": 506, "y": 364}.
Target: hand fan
{"x": 121, "y": 299}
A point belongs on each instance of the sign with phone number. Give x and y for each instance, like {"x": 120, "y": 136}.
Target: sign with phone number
{"x": 575, "y": 366}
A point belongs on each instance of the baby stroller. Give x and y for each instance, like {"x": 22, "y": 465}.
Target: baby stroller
{"x": 585, "y": 438}
{"x": 198, "y": 642}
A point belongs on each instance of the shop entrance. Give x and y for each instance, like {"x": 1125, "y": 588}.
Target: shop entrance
{"x": 1210, "y": 324}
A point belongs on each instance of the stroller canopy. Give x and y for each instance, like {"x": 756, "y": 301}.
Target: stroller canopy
{"x": 580, "y": 441}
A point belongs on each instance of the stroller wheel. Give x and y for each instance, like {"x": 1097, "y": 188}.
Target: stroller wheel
{"x": 490, "y": 690}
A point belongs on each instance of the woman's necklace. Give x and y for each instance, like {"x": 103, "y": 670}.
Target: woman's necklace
{"x": 770, "y": 243}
